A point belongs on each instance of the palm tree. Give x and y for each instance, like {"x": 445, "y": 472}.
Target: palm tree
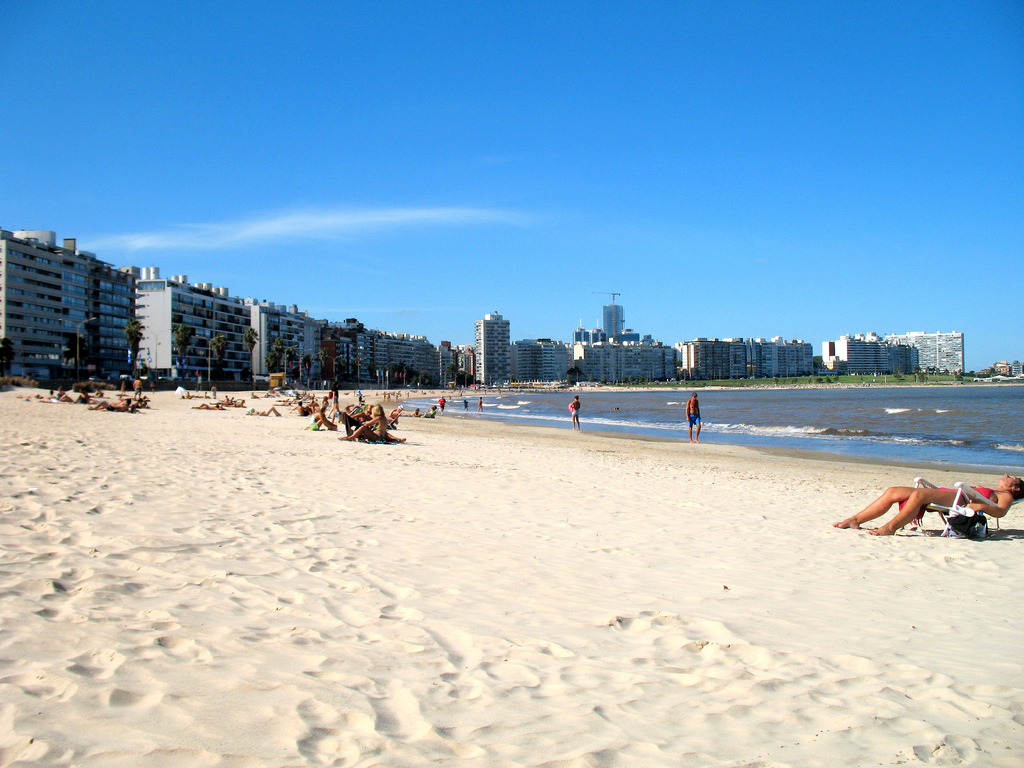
{"x": 307, "y": 361}
{"x": 322, "y": 357}
{"x": 133, "y": 333}
{"x": 250, "y": 339}
{"x": 182, "y": 341}
{"x": 290, "y": 353}
{"x": 6, "y": 354}
{"x": 272, "y": 359}
{"x": 218, "y": 346}
{"x": 356, "y": 362}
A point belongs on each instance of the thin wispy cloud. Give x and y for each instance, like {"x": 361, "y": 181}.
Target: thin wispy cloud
{"x": 315, "y": 224}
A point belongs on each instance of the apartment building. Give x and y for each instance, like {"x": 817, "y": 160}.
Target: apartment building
{"x": 56, "y": 300}
{"x": 779, "y": 358}
{"x": 857, "y": 354}
{"x": 705, "y": 359}
{"x": 939, "y": 352}
{"x": 540, "y": 360}
{"x": 296, "y": 329}
{"x": 609, "y": 362}
{"x": 166, "y": 303}
{"x": 492, "y": 350}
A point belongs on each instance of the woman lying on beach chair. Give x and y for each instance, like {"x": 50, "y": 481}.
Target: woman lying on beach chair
{"x": 375, "y": 430}
{"x": 913, "y": 501}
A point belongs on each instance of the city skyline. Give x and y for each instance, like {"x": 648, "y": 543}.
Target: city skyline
{"x": 753, "y": 169}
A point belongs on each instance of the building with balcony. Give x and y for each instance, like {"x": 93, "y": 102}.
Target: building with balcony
{"x": 56, "y": 300}
{"x": 706, "y": 359}
{"x": 938, "y": 352}
{"x": 779, "y": 358}
{"x": 608, "y": 362}
{"x": 540, "y": 360}
{"x": 166, "y": 303}
{"x": 858, "y": 354}
{"x": 297, "y": 331}
{"x": 492, "y": 350}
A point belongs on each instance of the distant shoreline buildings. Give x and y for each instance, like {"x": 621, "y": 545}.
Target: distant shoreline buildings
{"x": 64, "y": 310}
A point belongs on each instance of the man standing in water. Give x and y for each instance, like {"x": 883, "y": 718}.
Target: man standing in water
{"x": 693, "y": 416}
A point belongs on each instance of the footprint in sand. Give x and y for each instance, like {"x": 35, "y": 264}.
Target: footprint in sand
{"x": 398, "y": 713}
{"x": 98, "y": 664}
{"x": 329, "y": 740}
{"x": 117, "y": 697}
{"x": 42, "y": 685}
{"x": 184, "y": 649}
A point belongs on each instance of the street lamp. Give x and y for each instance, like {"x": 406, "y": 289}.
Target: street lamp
{"x": 78, "y": 345}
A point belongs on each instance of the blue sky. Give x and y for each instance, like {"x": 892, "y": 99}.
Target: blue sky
{"x": 803, "y": 169}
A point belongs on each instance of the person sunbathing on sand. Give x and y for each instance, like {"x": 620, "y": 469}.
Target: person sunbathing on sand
{"x": 375, "y": 430}
{"x": 123, "y": 406}
{"x": 209, "y": 407}
{"x": 912, "y": 502}
{"x": 272, "y": 412}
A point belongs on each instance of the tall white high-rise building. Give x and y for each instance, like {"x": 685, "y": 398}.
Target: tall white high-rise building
{"x": 492, "y": 350}
{"x": 937, "y": 351}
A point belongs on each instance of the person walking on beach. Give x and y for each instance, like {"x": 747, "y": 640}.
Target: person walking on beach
{"x": 137, "y": 387}
{"x": 480, "y": 405}
{"x": 442, "y": 402}
{"x": 693, "y": 416}
{"x": 574, "y": 411}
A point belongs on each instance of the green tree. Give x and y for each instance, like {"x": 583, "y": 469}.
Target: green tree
{"x": 278, "y": 348}
{"x": 272, "y": 359}
{"x": 218, "y": 346}
{"x": 250, "y": 340}
{"x": 290, "y": 353}
{"x": 183, "y": 335}
{"x": 6, "y": 354}
{"x": 133, "y": 333}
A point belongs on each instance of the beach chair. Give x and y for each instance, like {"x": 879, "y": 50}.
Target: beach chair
{"x": 965, "y": 494}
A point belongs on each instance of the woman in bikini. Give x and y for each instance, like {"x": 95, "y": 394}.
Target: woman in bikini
{"x": 375, "y": 430}
{"x": 912, "y": 502}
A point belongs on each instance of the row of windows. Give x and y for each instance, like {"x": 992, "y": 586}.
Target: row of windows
{"x": 33, "y": 294}
{"x": 71, "y": 277}
{"x": 121, "y": 301}
{"x": 37, "y": 320}
{"x": 35, "y": 331}
{"x": 33, "y": 257}
{"x": 108, "y": 309}
{"x": 123, "y": 288}
{"x": 30, "y": 305}
{"x": 72, "y": 301}
{"x": 19, "y": 280}
{"x": 34, "y": 270}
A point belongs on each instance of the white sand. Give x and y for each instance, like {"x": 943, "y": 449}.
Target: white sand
{"x": 188, "y": 588}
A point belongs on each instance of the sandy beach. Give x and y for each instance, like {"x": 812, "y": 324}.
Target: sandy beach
{"x": 191, "y": 588}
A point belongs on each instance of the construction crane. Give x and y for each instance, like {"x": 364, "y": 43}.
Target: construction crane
{"x": 615, "y": 318}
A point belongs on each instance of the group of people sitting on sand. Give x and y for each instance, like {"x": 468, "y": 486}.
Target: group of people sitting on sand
{"x": 364, "y": 423}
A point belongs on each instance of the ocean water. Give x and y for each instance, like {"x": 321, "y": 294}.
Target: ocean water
{"x": 954, "y": 425}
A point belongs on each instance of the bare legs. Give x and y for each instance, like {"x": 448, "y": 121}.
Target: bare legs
{"x": 913, "y": 499}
